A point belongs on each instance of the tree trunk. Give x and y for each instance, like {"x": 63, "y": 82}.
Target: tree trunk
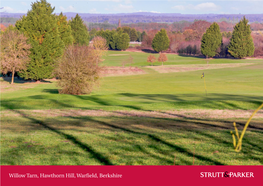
{"x": 13, "y": 75}
{"x": 207, "y": 59}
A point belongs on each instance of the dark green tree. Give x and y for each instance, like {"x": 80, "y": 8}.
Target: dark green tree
{"x": 211, "y": 41}
{"x": 79, "y": 31}
{"x": 133, "y": 35}
{"x": 92, "y": 33}
{"x": 126, "y": 29}
{"x": 161, "y": 41}
{"x": 113, "y": 40}
{"x": 241, "y": 43}
{"x": 40, "y": 26}
{"x": 123, "y": 40}
{"x": 110, "y": 36}
{"x": 64, "y": 30}
{"x": 119, "y": 29}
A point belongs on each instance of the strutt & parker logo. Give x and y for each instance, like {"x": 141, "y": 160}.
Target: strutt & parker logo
{"x": 226, "y": 174}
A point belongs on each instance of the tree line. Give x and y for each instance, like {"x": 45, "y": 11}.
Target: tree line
{"x": 44, "y": 45}
{"x": 39, "y": 40}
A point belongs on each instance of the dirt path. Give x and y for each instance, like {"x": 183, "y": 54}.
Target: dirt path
{"x": 185, "y": 68}
{"x": 197, "y": 113}
{"x": 121, "y": 71}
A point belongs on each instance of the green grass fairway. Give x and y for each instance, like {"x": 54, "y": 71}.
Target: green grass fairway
{"x": 77, "y": 139}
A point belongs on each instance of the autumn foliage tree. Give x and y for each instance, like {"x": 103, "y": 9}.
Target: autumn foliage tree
{"x": 14, "y": 52}
{"x": 162, "y": 58}
{"x": 151, "y": 59}
{"x": 99, "y": 45}
{"x": 199, "y": 27}
{"x": 78, "y": 70}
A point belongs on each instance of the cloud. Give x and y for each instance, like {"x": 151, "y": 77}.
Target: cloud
{"x": 8, "y": 9}
{"x": 123, "y": 8}
{"x": 93, "y": 11}
{"x": 155, "y": 12}
{"x": 200, "y": 7}
{"x": 206, "y": 6}
{"x": 11, "y": 10}
{"x": 68, "y": 9}
{"x": 179, "y": 7}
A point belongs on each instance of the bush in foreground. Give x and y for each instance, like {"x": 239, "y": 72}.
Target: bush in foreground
{"x": 78, "y": 70}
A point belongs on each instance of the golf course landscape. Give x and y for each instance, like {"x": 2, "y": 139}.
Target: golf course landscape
{"x": 140, "y": 114}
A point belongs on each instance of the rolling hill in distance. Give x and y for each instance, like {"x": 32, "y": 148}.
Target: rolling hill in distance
{"x": 147, "y": 17}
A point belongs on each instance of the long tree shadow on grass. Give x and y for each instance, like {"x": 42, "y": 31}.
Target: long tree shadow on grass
{"x": 102, "y": 159}
{"x": 156, "y": 142}
{"x": 153, "y": 138}
{"x": 212, "y": 101}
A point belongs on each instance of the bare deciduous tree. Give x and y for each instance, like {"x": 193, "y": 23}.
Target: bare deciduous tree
{"x": 14, "y": 52}
{"x": 78, "y": 70}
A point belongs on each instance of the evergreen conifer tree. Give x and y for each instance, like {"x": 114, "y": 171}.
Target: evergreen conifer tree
{"x": 92, "y": 33}
{"x": 133, "y": 35}
{"x": 123, "y": 40}
{"x": 161, "y": 41}
{"x": 211, "y": 40}
{"x": 110, "y": 36}
{"x": 40, "y": 25}
{"x": 64, "y": 30}
{"x": 143, "y": 35}
{"x": 79, "y": 31}
{"x": 241, "y": 43}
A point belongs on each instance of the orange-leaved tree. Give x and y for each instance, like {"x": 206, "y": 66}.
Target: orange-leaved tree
{"x": 162, "y": 57}
{"x": 151, "y": 59}
{"x": 14, "y": 52}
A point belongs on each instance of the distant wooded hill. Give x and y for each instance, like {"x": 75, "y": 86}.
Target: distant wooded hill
{"x": 147, "y": 17}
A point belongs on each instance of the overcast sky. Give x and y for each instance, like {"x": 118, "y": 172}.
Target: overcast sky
{"x": 128, "y": 6}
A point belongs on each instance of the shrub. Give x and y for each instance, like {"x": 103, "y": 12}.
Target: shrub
{"x": 78, "y": 70}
